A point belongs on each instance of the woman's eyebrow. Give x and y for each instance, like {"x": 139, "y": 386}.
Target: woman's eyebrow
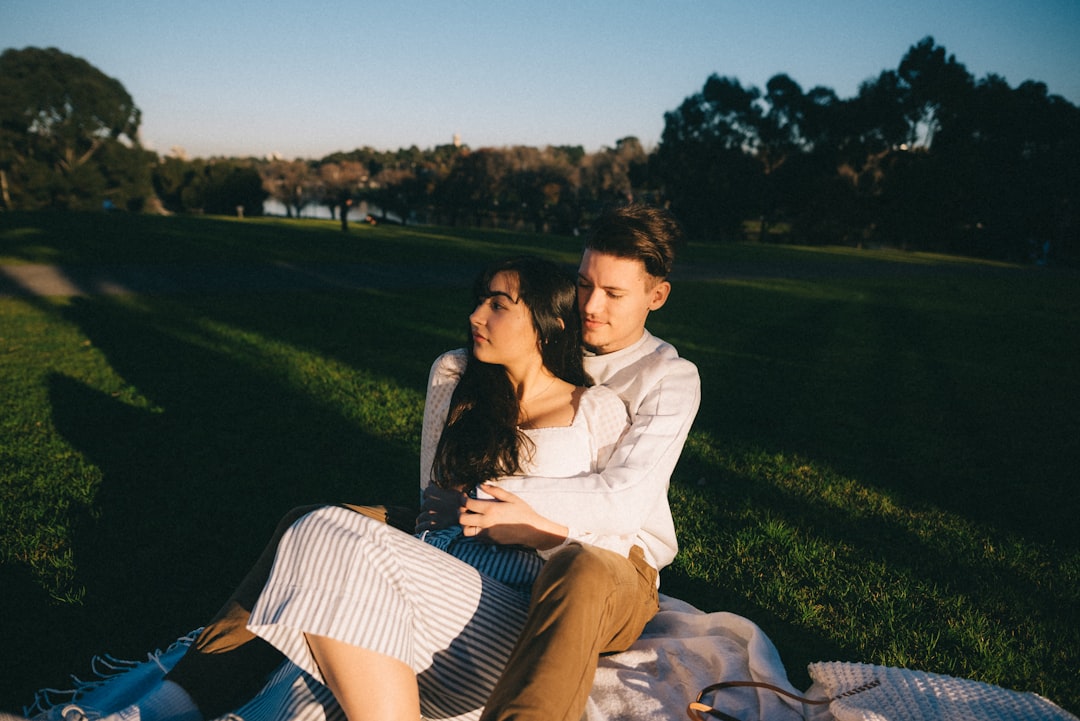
{"x": 502, "y": 294}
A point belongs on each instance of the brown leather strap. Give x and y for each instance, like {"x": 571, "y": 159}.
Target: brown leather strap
{"x": 697, "y": 708}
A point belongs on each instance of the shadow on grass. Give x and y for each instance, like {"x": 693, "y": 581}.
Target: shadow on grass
{"x": 941, "y": 394}
{"x": 208, "y": 446}
{"x": 936, "y": 395}
{"x": 778, "y": 533}
{"x": 78, "y": 239}
{"x": 945, "y": 401}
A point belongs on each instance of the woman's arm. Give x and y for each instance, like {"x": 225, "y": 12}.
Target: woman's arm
{"x": 442, "y": 379}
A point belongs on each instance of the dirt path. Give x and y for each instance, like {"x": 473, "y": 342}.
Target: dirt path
{"x": 51, "y": 280}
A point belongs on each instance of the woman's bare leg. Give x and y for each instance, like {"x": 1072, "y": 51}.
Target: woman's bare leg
{"x": 368, "y": 686}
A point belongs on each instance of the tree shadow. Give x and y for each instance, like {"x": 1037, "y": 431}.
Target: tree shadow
{"x": 199, "y": 456}
{"x": 914, "y": 408}
{"x": 932, "y": 585}
{"x": 904, "y": 406}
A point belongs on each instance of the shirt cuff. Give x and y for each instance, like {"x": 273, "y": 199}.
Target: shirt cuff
{"x": 572, "y": 536}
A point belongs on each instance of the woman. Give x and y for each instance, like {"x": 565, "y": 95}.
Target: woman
{"x": 398, "y": 626}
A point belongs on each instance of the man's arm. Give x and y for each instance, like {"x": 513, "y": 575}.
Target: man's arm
{"x": 612, "y": 509}
{"x": 618, "y": 500}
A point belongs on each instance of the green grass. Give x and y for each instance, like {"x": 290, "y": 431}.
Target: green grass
{"x": 883, "y": 468}
{"x": 97, "y": 238}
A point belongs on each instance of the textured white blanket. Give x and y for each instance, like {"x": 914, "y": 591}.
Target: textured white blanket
{"x": 901, "y": 694}
{"x": 682, "y": 651}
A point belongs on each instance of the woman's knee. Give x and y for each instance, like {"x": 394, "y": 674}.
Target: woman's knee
{"x": 292, "y": 516}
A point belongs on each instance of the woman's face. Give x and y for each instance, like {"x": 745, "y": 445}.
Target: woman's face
{"x": 502, "y": 326}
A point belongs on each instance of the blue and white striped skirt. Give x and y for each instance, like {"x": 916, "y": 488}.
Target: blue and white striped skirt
{"x": 343, "y": 575}
{"x": 515, "y": 566}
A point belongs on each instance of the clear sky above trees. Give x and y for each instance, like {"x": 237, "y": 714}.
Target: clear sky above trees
{"x": 925, "y": 156}
{"x": 308, "y": 79}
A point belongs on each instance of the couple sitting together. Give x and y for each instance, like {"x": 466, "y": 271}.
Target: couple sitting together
{"x": 547, "y": 449}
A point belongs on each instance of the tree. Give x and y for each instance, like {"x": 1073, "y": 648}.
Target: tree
{"x": 609, "y": 175}
{"x": 232, "y": 187}
{"x": 702, "y": 162}
{"x": 935, "y": 87}
{"x": 469, "y": 194}
{"x": 58, "y": 115}
{"x": 940, "y": 161}
{"x": 539, "y": 181}
{"x": 179, "y": 183}
{"x": 781, "y": 140}
{"x": 1015, "y": 156}
{"x": 729, "y": 154}
{"x": 341, "y": 182}
{"x": 293, "y": 183}
{"x": 392, "y": 190}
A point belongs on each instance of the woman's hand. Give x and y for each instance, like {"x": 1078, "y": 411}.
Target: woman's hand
{"x": 508, "y": 520}
{"x": 440, "y": 508}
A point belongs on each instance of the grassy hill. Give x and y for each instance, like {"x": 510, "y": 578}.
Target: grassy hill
{"x": 883, "y": 468}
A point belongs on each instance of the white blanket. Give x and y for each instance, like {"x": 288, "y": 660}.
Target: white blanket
{"x": 681, "y": 651}
{"x": 900, "y": 694}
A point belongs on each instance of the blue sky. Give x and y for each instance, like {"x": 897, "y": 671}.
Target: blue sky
{"x": 305, "y": 79}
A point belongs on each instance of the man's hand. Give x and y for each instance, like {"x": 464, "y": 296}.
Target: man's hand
{"x": 439, "y": 509}
{"x": 509, "y": 520}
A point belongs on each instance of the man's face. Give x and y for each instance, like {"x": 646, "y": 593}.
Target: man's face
{"x": 615, "y": 296}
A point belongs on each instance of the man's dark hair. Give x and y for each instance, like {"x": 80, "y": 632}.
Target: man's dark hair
{"x": 641, "y": 232}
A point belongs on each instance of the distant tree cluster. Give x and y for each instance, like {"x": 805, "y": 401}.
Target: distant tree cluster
{"x": 68, "y": 135}
{"x": 923, "y": 157}
{"x": 553, "y": 189}
{"x": 225, "y": 186}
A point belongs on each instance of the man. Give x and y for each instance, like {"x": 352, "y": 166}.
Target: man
{"x": 596, "y": 593}
{"x": 598, "y": 588}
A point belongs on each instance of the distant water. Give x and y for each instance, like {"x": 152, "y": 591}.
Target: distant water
{"x": 273, "y": 207}
{"x": 358, "y": 213}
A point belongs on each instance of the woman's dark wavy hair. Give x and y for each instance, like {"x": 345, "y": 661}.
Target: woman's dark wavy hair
{"x": 481, "y": 440}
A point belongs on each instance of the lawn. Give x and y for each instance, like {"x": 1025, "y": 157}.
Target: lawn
{"x": 883, "y": 468}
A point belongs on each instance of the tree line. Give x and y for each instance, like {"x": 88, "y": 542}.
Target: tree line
{"x": 924, "y": 156}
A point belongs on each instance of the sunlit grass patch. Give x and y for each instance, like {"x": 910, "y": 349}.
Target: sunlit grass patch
{"x": 883, "y": 468}
{"x": 881, "y": 580}
{"x": 43, "y": 480}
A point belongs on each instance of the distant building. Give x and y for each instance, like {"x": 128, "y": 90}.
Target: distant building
{"x": 457, "y": 140}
